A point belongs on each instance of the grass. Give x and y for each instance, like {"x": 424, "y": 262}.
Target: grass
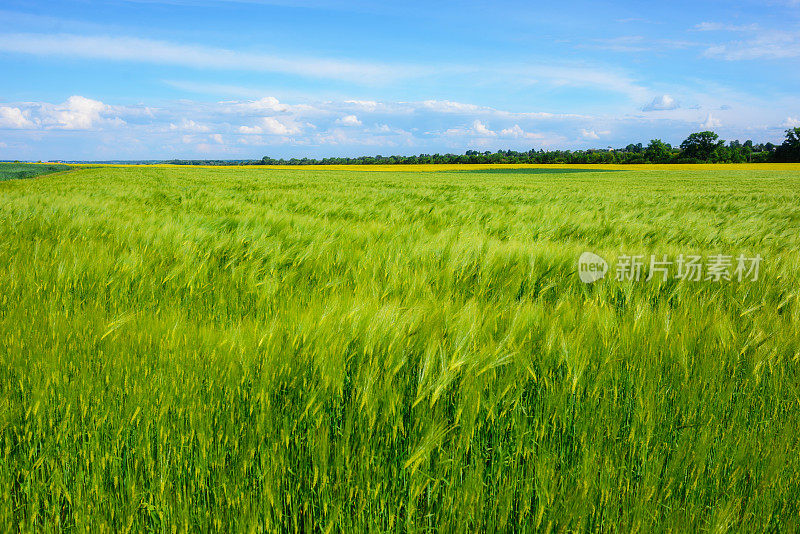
{"x": 14, "y": 171}
{"x": 221, "y": 349}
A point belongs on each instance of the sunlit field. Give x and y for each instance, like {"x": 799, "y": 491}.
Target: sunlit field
{"x": 496, "y": 167}
{"x": 395, "y": 349}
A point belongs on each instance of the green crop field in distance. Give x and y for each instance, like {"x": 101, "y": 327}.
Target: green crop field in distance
{"x": 253, "y": 349}
{"x": 14, "y": 171}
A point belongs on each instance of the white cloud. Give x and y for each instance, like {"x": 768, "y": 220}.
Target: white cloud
{"x": 386, "y": 130}
{"x": 719, "y": 26}
{"x": 632, "y": 43}
{"x": 197, "y": 56}
{"x": 251, "y": 140}
{"x": 78, "y": 113}
{"x": 13, "y": 118}
{"x": 478, "y": 129}
{"x": 187, "y": 125}
{"x": 638, "y": 44}
{"x": 662, "y": 103}
{"x": 589, "y": 134}
{"x": 711, "y": 122}
{"x": 586, "y": 76}
{"x": 446, "y": 106}
{"x": 481, "y": 130}
{"x": 791, "y": 122}
{"x": 263, "y": 105}
{"x": 367, "y": 105}
{"x": 205, "y": 149}
{"x": 239, "y": 128}
{"x": 516, "y": 132}
{"x": 765, "y": 45}
{"x": 349, "y": 120}
{"x": 228, "y": 90}
{"x": 250, "y": 130}
{"x": 271, "y": 125}
{"x": 335, "y": 137}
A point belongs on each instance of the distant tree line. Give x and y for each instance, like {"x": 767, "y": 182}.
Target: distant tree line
{"x": 700, "y": 147}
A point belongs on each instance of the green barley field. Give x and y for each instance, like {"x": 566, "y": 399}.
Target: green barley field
{"x": 190, "y": 349}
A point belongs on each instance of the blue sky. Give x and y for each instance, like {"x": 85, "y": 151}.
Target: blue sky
{"x": 141, "y": 79}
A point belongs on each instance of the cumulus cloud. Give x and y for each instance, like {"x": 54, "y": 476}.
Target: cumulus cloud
{"x": 446, "y": 106}
{"x": 239, "y": 128}
{"x": 516, "y": 132}
{"x": 349, "y": 120}
{"x": 662, "y": 103}
{"x": 264, "y": 105}
{"x": 367, "y": 105}
{"x": 188, "y": 125}
{"x": 14, "y": 118}
{"x": 273, "y": 126}
{"x": 480, "y": 129}
{"x": 791, "y": 122}
{"x": 711, "y": 122}
{"x": 76, "y": 113}
{"x": 477, "y": 130}
{"x": 250, "y": 130}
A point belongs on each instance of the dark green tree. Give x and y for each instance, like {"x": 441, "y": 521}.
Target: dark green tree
{"x": 701, "y": 146}
{"x": 789, "y": 151}
{"x": 636, "y": 149}
{"x": 658, "y": 151}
